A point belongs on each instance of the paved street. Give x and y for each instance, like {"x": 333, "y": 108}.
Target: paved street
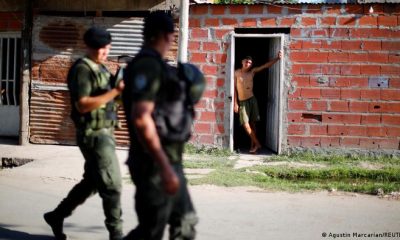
{"x": 225, "y": 213}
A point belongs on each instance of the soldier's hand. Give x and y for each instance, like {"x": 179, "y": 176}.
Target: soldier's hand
{"x": 120, "y": 86}
{"x": 170, "y": 181}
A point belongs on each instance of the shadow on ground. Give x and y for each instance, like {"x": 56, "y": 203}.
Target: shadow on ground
{"x": 7, "y": 234}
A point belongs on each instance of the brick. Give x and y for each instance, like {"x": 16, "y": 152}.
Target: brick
{"x": 393, "y": 131}
{"x": 211, "y": 22}
{"x": 358, "y": 106}
{"x": 385, "y": 107}
{"x": 210, "y": 46}
{"x": 370, "y": 119}
{"x": 296, "y": 32}
{"x": 330, "y": 69}
{"x": 220, "y": 58}
{"x": 316, "y": 57}
{"x": 202, "y": 128}
{"x": 393, "y": 45}
{"x": 339, "y": 32}
{"x": 295, "y": 45}
{"x": 194, "y": 45}
{"x": 338, "y": 57}
{"x": 339, "y": 106}
{"x": 390, "y": 94}
{"x": 359, "y": 82}
{"x": 310, "y": 93}
{"x": 293, "y": 9}
{"x": 368, "y": 21}
{"x": 353, "y": 9}
{"x": 331, "y": 45}
{"x": 389, "y": 144}
{"x": 210, "y": 94}
{"x": 370, "y": 94}
{"x": 210, "y": 70}
{"x": 390, "y": 69}
{"x": 287, "y": 22}
{"x": 199, "y": 33}
{"x": 378, "y": 8}
{"x": 249, "y": 22}
{"x": 311, "y": 69}
{"x": 308, "y": 21}
{"x": 391, "y": 119}
{"x": 265, "y": 22}
{"x": 339, "y": 82}
{"x": 369, "y": 143}
{"x": 389, "y": 21}
{"x": 255, "y": 9}
{"x": 220, "y": 33}
{"x": 351, "y": 45}
{"x": 358, "y": 57}
{"x": 207, "y": 117}
{"x": 319, "y": 105}
{"x": 237, "y": 9}
{"x": 350, "y": 93}
{"x": 219, "y": 129}
{"x": 394, "y": 83}
{"x": 312, "y": 44}
{"x": 328, "y": 20}
{"x": 330, "y": 93}
{"x": 318, "y": 129}
{"x": 350, "y": 70}
{"x": 394, "y": 58}
{"x": 274, "y": 9}
{"x": 372, "y": 45}
{"x": 314, "y": 9}
{"x": 376, "y": 131}
{"x": 370, "y": 70}
{"x": 206, "y": 139}
{"x": 302, "y": 81}
{"x": 315, "y": 81}
{"x": 333, "y": 9}
{"x": 347, "y": 21}
{"x": 199, "y": 10}
{"x": 350, "y": 142}
{"x": 318, "y": 33}
{"x": 294, "y": 117}
{"x": 341, "y": 118}
{"x": 294, "y": 141}
{"x": 340, "y": 130}
{"x": 330, "y": 141}
{"x": 296, "y": 129}
{"x": 229, "y": 21}
{"x": 194, "y": 23}
{"x": 297, "y": 105}
{"x": 198, "y": 57}
{"x": 378, "y": 57}
{"x": 218, "y": 9}
{"x": 311, "y": 142}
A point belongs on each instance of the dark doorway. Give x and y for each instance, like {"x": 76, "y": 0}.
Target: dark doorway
{"x": 259, "y": 48}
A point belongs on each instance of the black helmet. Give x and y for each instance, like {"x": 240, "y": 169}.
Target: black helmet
{"x": 194, "y": 79}
{"x": 96, "y": 37}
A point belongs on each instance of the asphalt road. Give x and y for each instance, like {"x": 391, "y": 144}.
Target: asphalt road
{"x": 245, "y": 213}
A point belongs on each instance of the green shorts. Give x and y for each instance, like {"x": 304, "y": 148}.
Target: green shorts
{"x": 248, "y": 111}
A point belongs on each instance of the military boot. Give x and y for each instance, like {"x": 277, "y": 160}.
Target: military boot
{"x": 56, "y": 224}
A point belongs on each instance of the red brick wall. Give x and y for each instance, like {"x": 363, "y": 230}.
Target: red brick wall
{"x": 334, "y": 54}
{"x": 10, "y": 21}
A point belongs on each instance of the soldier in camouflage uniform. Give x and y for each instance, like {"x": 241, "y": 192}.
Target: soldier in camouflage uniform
{"x": 94, "y": 115}
{"x": 159, "y": 116}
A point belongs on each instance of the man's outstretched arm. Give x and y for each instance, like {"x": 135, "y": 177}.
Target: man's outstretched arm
{"x": 268, "y": 64}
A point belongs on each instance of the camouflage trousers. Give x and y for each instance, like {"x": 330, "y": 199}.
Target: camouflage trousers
{"x": 155, "y": 209}
{"x": 102, "y": 175}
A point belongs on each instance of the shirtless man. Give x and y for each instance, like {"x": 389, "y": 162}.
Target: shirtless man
{"x": 245, "y": 103}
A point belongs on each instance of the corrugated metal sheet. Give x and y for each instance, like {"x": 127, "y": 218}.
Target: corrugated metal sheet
{"x": 57, "y": 43}
{"x": 273, "y": 2}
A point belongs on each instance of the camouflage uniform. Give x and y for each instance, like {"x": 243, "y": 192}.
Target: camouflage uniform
{"x": 144, "y": 81}
{"x": 95, "y": 138}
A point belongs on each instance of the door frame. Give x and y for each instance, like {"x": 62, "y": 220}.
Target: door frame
{"x": 230, "y": 80}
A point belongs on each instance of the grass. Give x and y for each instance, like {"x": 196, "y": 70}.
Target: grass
{"x": 205, "y": 150}
{"x": 343, "y": 173}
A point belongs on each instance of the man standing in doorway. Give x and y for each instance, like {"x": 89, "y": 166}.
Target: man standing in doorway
{"x": 244, "y": 101}
{"x": 94, "y": 114}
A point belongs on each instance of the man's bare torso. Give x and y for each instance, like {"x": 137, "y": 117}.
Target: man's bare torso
{"x": 244, "y": 84}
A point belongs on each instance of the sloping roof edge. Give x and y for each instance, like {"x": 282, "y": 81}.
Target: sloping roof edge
{"x": 294, "y": 2}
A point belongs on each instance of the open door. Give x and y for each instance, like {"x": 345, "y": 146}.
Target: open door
{"x": 273, "y": 96}
{"x": 267, "y": 89}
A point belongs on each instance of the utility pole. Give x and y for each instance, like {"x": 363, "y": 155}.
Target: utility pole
{"x": 183, "y": 31}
